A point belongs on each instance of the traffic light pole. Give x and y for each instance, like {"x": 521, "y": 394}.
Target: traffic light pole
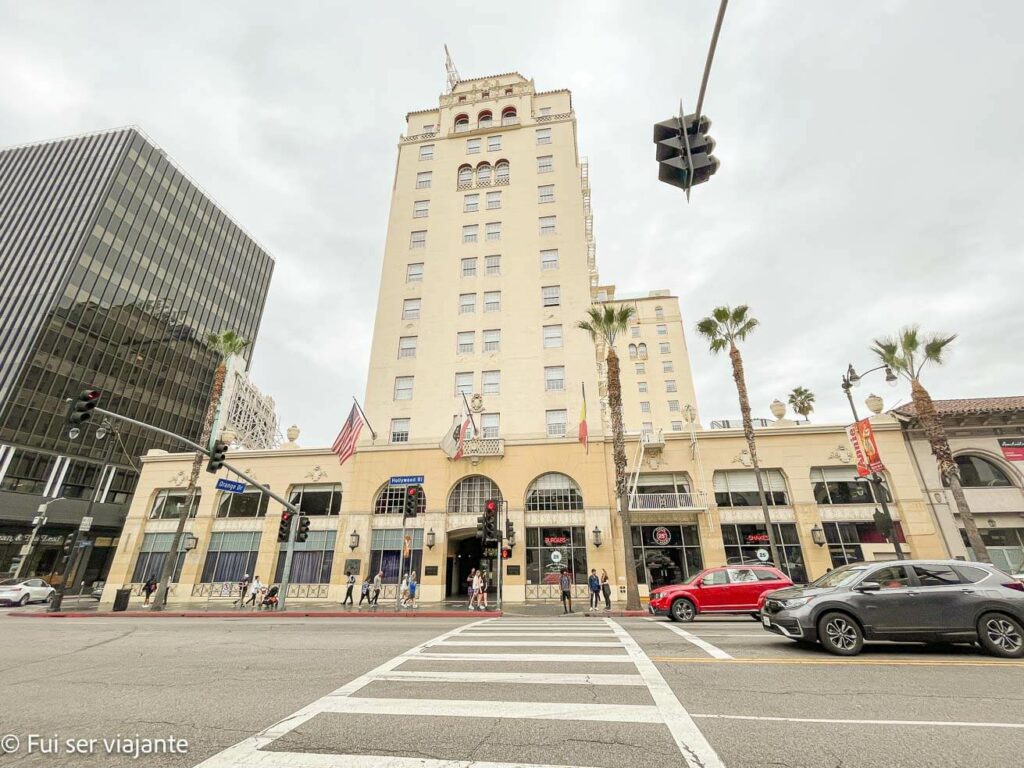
{"x": 401, "y": 566}
{"x": 286, "y": 574}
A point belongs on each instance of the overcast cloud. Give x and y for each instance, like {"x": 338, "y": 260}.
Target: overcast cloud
{"x": 871, "y": 162}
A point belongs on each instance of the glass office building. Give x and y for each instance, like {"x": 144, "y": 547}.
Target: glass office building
{"x": 114, "y": 268}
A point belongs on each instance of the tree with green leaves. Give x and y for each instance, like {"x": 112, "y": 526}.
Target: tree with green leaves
{"x": 604, "y": 324}
{"x": 907, "y": 354}
{"x": 225, "y": 346}
{"x": 801, "y": 400}
{"x": 723, "y": 329}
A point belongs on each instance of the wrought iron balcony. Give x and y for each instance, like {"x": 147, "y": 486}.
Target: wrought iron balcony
{"x": 484, "y": 446}
{"x": 649, "y": 502}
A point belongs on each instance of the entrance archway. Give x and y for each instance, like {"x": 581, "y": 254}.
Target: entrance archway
{"x": 465, "y": 552}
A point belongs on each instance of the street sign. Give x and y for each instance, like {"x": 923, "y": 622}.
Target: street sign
{"x": 230, "y": 486}
{"x": 406, "y": 480}
{"x": 762, "y": 555}
{"x": 85, "y": 525}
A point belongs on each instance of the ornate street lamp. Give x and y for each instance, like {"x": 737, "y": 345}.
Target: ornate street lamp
{"x": 190, "y": 542}
{"x": 353, "y": 540}
{"x": 431, "y": 539}
{"x": 818, "y": 535}
{"x": 598, "y": 541}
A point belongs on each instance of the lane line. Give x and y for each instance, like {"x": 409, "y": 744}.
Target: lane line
{"x": 852, "y": 662}
{"x": 518, "y": 710}
{"x": 528, "y": 644}
{"x": 708, "y": 648}
{"x": 695, "y": 749}
{"x": 830, "y": 721}
{"x": 333, "y": 760}
{"x": 539, "y": 633}
{"x": 596, "y": 658}
{"x": 529, "y": 678}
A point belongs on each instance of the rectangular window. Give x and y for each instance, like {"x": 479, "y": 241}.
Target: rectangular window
{"x": 423, "y": 180}
{"x": 643, "y": 386}
{"x": 492, "y": 265}
{"x": 664, "y": 348}
{"x": 554, "y": 378}
{"x": 230, "y": 556}
{"x": 666, "y": 366}
{"x": 471, "y": 203}
{"x": 550, "y": 296}
{"x": 403, "y": 388}
{"x": 492, "y": 341}
{"x": 552, "y": 336}
{"x": 666, "y": 554}
{"x": 420, "y": 209}
{"x": 546, "y": 193}
{"x": 429, "y": 128}
{"x": 407, "y": 346}
{"x": 489, "y": 425}
{"x": 641, "y": 368}
{"x": 414, "y": 272}
{"x": 556, "y": 422}
{"x": 673, "y": 406}
{"x": 648, "y": 427}
{"x": 411, "y": 309}
{"x": 469, "y": 232}
{"x": 670, "y": 385}
{"x": 426, "y": 152}
{"x": 492, "y": 301}
{"x": 840, "y": 485}
{"x": 494, "y": 230}
{"x": 742, "y": 542}
{"x": 543, "y": 135}
{"x": 545, "y": 164}
{"x": 634, "y": 332}
{"x": 318, "y": 499}
{"x": 662, "y": 329}
{"x": 547, "y": 225}
{"x": 467, "y": 303}
{"x": 490, "y": 383}
{"x": 493, "y": 200}
{"x": 311, "y": 559}
{"x": 469, "y": 267}
{"x": 387, "y": 546}
{"x": 463, "y": 384}
{"x": 400, "y": 430}
{"x": 549, "y": 259}
{"x": 473, "y": 146}
{"x": 251, "y": 503}
{"x": 493, "y": 143}
{"x": 738, "y": 488}
{"x": 645, "y": 406}
{"x": 677, "y": 426}
{"x": 545, "y": 111}
{"x": 466, "y": 342}
{"x": 418, "y": 239}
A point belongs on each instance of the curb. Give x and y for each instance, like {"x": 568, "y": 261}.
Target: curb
{"x": 255, "y": 615}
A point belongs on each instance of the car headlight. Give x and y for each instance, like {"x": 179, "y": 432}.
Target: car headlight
{"x": 795, "y": 602}
{"x": 655, "y": 595}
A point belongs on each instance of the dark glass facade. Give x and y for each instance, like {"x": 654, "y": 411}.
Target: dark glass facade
{"x": 114, "y": 270}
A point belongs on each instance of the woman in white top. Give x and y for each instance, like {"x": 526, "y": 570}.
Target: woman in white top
{"x": 405, "y": 591}
{"x": 478, "y": 583}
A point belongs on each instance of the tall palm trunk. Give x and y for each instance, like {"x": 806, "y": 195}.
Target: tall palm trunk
{"x": 621, "y": 491}
{"x": 948, "y": 469}
{"x": 172, "y": 556}
{"x": 748, "y": 433}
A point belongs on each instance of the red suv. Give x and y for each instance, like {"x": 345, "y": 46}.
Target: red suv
{"x": 730, "y": 589}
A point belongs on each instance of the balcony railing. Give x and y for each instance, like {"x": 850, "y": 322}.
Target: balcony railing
{"x": 484, "y": 446}
{"x": 645, "y": 502}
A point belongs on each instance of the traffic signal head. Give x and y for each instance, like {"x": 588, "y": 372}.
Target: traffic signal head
{"x": 883, "y": 524}
{"x": 302, "y": 532}
{"x": 285, "y": 528}
{"x": 480, "y": 527}
{"x": 684, "y": 160}
{"x": 80, "y": 409}
{"x": 506, "y": 553}
{"x": 510, "y": 531}
{"x": 217, "y": 455}
{"x": 415, "y": 499}
{"x": 67, "y": 543}
{"x": 491, "y": 520}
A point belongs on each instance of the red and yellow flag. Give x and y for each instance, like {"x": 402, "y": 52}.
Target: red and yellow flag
{"x": 584, "y": 434}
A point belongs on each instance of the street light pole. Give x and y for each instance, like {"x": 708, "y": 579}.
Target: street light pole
{"x": 849, "y": 379}
{"x": 39, "y": 523}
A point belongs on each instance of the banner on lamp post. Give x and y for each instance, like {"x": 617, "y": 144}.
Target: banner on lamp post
{"x": 865, "y": 448}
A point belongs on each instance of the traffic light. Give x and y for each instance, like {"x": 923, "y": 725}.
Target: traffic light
{"x": 506, "y": 553}
{"x": 480, "y": 527}
{"x": 510, "y": 531}
{"x": 491, "y": 520}
{"x": 684, "y": 161}
{"x": 302, "y": 533}
{"x": 217, "y": 455}
{"x": 883, "y": 523}
{"x": 285, "y": 528}
{"x": 67, "y": 543}
{"x": 80, "y": 409}
{"x": 415, "y": 498}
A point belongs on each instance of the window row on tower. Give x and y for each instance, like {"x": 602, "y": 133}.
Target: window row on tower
{"x": 466, "y": 341}
{"x": 469, "y": 266}
{"x": 550, "y": 296}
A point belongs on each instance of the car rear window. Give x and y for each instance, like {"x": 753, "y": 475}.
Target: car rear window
{"x": 936, "y": 575}
{"x": 970, "y": 574}
{"x": 765, "y": 575}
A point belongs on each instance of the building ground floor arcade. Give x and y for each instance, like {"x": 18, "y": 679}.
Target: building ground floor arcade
{"x": 693, "y": 504}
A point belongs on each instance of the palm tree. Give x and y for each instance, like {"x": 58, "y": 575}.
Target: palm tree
{"x": 802, "y": 401}
{"x": 225, "y": 346}
{"x": 907, "y": 354}
{"x": 723, "y": 329}
{"x": 604, "y": 325}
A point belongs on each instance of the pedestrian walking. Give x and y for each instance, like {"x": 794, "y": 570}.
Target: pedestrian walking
{"x": 404, "y": 591}
{"x": 377, "y": 581}
{"x": 482, "y": 601}
{"x": 412, "y": 589}
{"x": 255, "y": 592}
{"x": 478, "y": 586}
{"x": 594, "y": 583}
{"x": 350, "y": 582}
{"x": 565, "y": 584}
{"x": 148, "y": 589}
{"x": 606, "y": 590}
{"x": 243, "y": 587}
{"x": 470, "y": 581}
{"x": 364, "y": 592}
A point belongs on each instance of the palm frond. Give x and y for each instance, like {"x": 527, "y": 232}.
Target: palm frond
{"x": 935, "y": 347}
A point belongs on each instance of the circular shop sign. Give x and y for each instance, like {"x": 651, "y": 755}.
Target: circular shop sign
{"x": 762, "y": 555}
{"x": 661, "y": 535}
{"x": 556, "y": 556}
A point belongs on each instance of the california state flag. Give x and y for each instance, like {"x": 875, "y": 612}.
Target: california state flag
{"x": 584, "y": 435}
{"x": 453, "y": 443}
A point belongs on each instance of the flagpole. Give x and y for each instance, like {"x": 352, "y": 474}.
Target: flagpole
{"x": 470, "y": 412}
{"x": 366, "y": 421}
{"x": 583, "y": 388}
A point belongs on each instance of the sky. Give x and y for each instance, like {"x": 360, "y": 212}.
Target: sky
{"x": 871, "y": 163}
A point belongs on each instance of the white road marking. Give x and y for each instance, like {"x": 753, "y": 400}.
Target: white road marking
{"x": 331, "y": 760}
{"x": 538, "y": 633}
{"x": 520, "y": 710}
{"x": 597, "y": 658}
{"x": 941, "y": 723}
{"x": 529, "y": 643}
{"x": 695, "y": 749}
{"x": 529, "y": 678}
{"x": 705, "y": 646}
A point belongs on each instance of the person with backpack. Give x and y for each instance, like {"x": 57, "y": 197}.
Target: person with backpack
{"x": 364, "y": 592}
{"x": 148, "y": 589}
{"x": 594, "y": 583}
{"x": 412, "y": 590}
{"x": 565, "y": 584}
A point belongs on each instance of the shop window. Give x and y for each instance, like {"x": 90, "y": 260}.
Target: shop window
{"x": 743, "y": 543}
{"x": 666, "y": 554}
{"x": 152, "y": 553}
{"x": 549, "y": 550}
{"x": 311, "y": 559}
{"x": 976, "y": 472}
{"x": 319, "y": 499}
{"x": 230, "y": 556}
{"x": 553, "y": 492}
{"x": 840, "y": 485}
{"x": 250, "y": 503}
{"x": 386, "y": 552}
{"x": 738, "y": 488}
{"x": 469, "y": 494}
{"x": 845, "y": 539}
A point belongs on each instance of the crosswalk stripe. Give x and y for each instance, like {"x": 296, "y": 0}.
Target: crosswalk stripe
{"x": 529, "y": 678}
{"x": 596, "y": 658}
{"x": 530, "y": 643}
{"x": 518, "y": 710}
{"x": 711, "y": 650}
{"x": 321, "y": 760}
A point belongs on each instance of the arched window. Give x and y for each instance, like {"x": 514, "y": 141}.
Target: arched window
{"x": 632, "y": 351}
{"x": 465, "y": 174}
{"x": 484, "y": 119}
{"x": 553, "y": 492}
{"x": 469, "y": 494}
{"x": 976, "y": 472}
{"x": 501, "y": 171}
{"x": 483, "y": 174}
{"x": 508, "y": 116}
{"x": 642, "y": 350}
{"x": 659, "y": 313}
{"x": 461, "y": 123}
{"x": 390, "y": 500}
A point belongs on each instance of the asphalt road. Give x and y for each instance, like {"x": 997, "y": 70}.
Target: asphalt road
{"x": 538, "y": 690}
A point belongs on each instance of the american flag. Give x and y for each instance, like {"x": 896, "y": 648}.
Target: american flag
{"x": 345, "y": 442}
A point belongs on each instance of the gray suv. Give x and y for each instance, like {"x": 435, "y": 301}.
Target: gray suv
{"x": 910, "y": 600}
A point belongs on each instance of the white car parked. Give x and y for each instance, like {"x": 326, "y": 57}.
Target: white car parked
{"x": 25, "y": 591}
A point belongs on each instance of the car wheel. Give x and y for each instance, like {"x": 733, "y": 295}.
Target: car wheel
{"x": 840, "y": 634}
{"x": 683, "y": 610}
{"x": 24, "y": 600}
{"x": 1001, "y": 635}
{"x": 755, "y": 616}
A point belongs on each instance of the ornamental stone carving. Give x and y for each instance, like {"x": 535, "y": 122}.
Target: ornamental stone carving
{"x": 842, "y": 454}
{"x": 316, "y": 474}
{"x": 743, "y": 458}
{"x": 476, "y": 403}
{"x": 178, "y": 479}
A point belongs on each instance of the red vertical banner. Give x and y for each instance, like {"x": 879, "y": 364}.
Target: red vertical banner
{"x": 865, "y": 447}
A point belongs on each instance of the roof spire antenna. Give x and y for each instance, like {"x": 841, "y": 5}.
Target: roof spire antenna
{"x": 453, "y": 73}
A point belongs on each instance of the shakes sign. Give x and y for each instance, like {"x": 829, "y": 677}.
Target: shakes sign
{"x": 1012, "y": 448}
{"x": 862, "y": 438}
